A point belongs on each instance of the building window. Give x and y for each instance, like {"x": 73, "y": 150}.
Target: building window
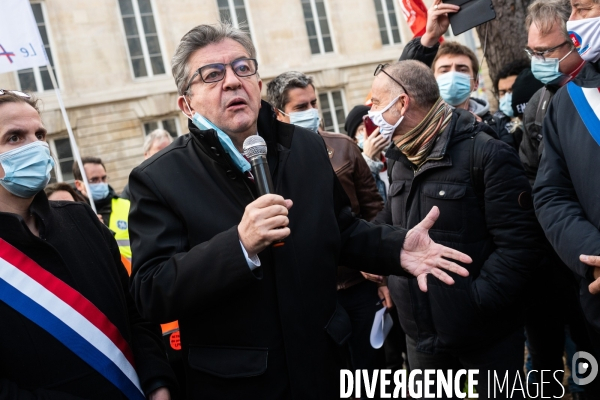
{"x": 317, "y": 26}
{"x": 234, "y": 11}
{"x": 63, "y": 155}
{"x": 388, "y": 23}
{"x": 333, "y": 107}
{"x": 38, "y": 79}
{"x": 170, "y": 125}
{"x": 142, "y": 38}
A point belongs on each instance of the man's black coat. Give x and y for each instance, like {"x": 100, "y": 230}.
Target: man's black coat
{"x": 79, "y": 250}
{"x": 266, "y": 334}
{"x": 566, "y": 188}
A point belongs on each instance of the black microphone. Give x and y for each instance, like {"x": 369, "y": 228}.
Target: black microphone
{"x": 255, "y": 150}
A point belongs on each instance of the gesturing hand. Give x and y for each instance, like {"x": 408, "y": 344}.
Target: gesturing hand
{"x": 421, "y": 256}
{"x": 593, "y": 261}
{"x": 264, "y": 221}
{"x": 437, "y": 22}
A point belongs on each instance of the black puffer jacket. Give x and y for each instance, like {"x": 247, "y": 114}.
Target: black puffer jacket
{"x": 498, "y": 231}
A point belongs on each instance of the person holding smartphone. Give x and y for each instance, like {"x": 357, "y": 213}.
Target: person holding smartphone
{"x": 366, "y": 135}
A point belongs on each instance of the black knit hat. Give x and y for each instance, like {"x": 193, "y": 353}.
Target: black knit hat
{"x": 523, "y": 89}
{"x": 354, "y": 119}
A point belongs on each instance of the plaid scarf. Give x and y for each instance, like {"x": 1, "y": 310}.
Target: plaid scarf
{"x": 418, "y": 143}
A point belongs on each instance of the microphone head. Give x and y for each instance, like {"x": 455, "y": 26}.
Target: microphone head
{"x": 254, "y": 146}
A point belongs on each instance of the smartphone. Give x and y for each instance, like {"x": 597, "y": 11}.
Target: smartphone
{"x": 369, "y": 125}
{"x": 472, "y": 13}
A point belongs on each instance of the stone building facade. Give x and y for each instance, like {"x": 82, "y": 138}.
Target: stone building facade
{"x": 112, "y": 62}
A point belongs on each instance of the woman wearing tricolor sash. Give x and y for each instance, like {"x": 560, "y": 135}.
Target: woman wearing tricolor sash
{"x": 70, "y": 329}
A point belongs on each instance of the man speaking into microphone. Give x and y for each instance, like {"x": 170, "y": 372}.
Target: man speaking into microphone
{"x": 257, "y": 321}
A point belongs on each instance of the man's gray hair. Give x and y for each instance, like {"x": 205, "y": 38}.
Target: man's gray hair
{"x": 417, "y": 79}
{"x": 155, "y": 135}
{"x": 278, "y": 88}
{"x": 545, "y": 13}
{"x": 199, "y": 37}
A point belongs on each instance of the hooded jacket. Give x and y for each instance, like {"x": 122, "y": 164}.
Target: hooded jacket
{"x": 498, "y": 231}
{"x": 566, "y": 187}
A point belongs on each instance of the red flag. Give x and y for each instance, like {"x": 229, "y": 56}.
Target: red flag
{"x": 415, "y": 13}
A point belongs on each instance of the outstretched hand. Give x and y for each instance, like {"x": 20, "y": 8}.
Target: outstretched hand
{"x": 437, "y": 22}
{"x": 421, "y": 256}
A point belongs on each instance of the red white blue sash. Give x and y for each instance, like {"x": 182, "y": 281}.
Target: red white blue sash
{"x": 587, "y": 104}
{"x": 68, "y": 316}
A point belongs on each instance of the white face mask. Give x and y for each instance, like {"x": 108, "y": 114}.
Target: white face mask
{"x": 385, "y": 129}
{"x": 585, "y": 34}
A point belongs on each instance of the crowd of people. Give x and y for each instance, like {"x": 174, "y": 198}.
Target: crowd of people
{"x": 476, "y": 229}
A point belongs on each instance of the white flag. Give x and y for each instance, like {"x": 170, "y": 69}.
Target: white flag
{"x": 21, "y": 45}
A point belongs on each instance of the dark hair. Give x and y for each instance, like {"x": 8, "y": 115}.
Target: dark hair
{"x": 457, "y": 49}
{"x": 513, "y": 68}
{"x": 85, "y": 160}
{"x": 9, "y": 97}
{"x": 278, "y": 88}
{"x": 200, "y": 37}
{"x": 62, "y": 186}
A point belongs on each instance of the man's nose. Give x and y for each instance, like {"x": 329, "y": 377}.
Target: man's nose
{"x": 231, "y": 81}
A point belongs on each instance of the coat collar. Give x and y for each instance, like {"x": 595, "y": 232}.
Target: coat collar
{"x": 13, "y": 226}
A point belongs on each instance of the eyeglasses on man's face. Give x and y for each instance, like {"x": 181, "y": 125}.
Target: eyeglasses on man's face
{"x": 15, "y": 92}
{"x": 242, "y": 67}
{"x": 541, "y": 55}
{"x": 380, "y": 68}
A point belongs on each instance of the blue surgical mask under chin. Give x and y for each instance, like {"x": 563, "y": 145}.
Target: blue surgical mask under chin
{"x": 99, "y": 190}
{"x": 506, "y": 105}
{"x": 308, "y": 119}
{"x": 455, "y": 87}
{"x": 546, "y": 71}
{"x": 240, "y": 162}
{"x": 26, "y": 169}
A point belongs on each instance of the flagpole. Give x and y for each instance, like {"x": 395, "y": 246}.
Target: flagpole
{"x": 74, "y": 147}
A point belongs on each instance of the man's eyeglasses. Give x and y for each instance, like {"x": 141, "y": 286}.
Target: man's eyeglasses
{"x": 211, "y": 73}
{"x": 98, "y": 179}
{"x": 380, "y": 68}
{"x": 15, "y": 92}
{"x": 541, "y": 55}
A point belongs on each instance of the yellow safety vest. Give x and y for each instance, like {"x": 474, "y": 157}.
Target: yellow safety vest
{"x": 118, "y": 224}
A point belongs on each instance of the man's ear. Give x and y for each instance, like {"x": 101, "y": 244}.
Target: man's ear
{"x": 183, "y": 106}
{"x": 80, "y": 186}
{"x": 403, "y": 104}
{"x": 475, "y": 83}
{"x": 279, "y": 115}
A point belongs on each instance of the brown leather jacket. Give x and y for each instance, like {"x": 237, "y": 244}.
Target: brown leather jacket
{"x": 357, "y": 180}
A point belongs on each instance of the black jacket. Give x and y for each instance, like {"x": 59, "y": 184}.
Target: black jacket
{"x": 566, "y": 187}
{"x": 414, "y": 50}
{"x": 498, "y": 231}
{"x": 78, "y": 249}
{"x": 266, "y": 334}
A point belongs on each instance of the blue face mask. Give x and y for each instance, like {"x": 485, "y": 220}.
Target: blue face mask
{"x": 547, "y": 71}
{"x": 240, "y": 162}
{"x": 361, "y": 140}
{"x": 99, "y": 190}
{"x": 455, "y": 87}
{"x": 506, "y": 105}
{"x": 27, "y": 169}
{"x": 308, "y": 119}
